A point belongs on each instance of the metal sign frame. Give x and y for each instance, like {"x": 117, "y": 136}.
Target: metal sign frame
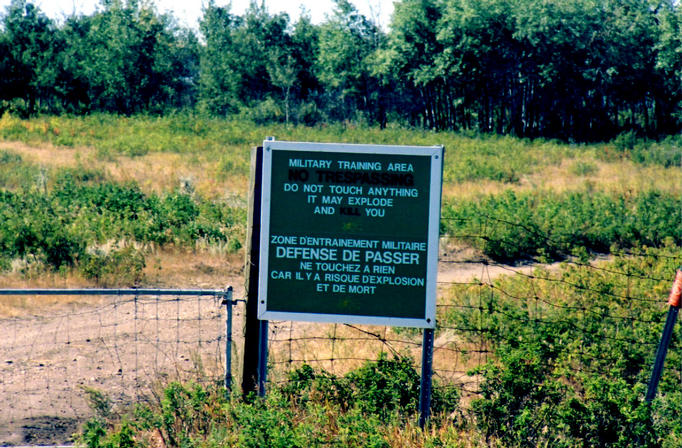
{"x": 434, "y": 162}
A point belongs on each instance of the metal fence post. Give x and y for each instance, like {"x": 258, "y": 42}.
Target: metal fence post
{"x": 674, "y": 302}
{"x": 427, "y": 373}
{"x": 227, "y": 301}
{"x": 262, "y": 357}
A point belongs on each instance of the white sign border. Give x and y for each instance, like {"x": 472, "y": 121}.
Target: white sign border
{"x": 435, "y": 152}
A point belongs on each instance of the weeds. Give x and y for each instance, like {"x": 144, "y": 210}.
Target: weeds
{"x": 547, "y": 227}
{"x": 71, "y": 223}
{"x": 572, "y": 354}
{"x": 362, "y": 409}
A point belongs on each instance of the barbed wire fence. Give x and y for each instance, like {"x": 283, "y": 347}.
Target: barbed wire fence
{"x": 462, "y": 346}
{"x": 458, "y": 349}
{"x": 124, "y": 346}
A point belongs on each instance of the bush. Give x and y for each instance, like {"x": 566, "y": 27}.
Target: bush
{"x": 120, "y": 267}
{"x": 63, "y": 225}
{"x": 384, "y": 388}
{"x": 550, "y": 226}
{"x": 303, "y": 412}
{"x": 572, "y": 353}
{"x": 667, "y": 153}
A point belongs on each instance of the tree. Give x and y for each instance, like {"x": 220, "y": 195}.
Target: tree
{"x": 669, "y": 62}
{"x": 282, "y": 71}
{"x": 305, "y": 49}
{"x": 218, "y": 82}
{"x": 28, "y": 47}
{"x": 410, "y": 59}
{"x": 347, "y": 42}
{"x": 237, "y": 52}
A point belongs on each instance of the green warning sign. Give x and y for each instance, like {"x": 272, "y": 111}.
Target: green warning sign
{"x": 350, "y": 233}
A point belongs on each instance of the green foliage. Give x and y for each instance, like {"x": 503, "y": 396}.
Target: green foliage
{"x": 381, "y": 388}
{"x": 99, "y": 402}
{"x": 607, "y": 69}
{"x": 503, "y": 159}
{"x": 230, "y": 79}
{"x": 113, "y": 135}
{"x": 625, "y": 140}
{"x": 386, "y": 386}
{"x": 347, "y": 42}
{"x": 95, "y": 435}
{"x": 29, "y": 47}
{"x": 93, "y": 432}
{"x": 667, "y": 153}
{"x": 119, "y": 267}
{"x": 185, "y": 410}
{"x": 123, "y": 58}
{"x": 552, "y": 226}
{"x": 572, "y": 353}
{"x": 312, "y": 409}
{"x": 15, "y": 173}
{"x": 580, "y": 168}
{"x": 71, "y": 221}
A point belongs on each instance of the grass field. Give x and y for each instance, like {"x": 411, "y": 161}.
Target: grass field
{"x": 205, "y": 162}
{"x": 109, "y": 200}
{"x": 154, "y": 164}
{"x": 214, "y": 153}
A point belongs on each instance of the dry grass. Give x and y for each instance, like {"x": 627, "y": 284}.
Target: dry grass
{"x": 339, "y": 348}
{"x": 622, "y": 176}
{"x": 164, "y": 269}
{"x": 18, "y": 306}
{"x": 159, "y": 172}
{"x": 153, "y": 172}
{"x": 411, "y": 436}
{"x": 195, "y": 270}
{"x": 336, "y": 348}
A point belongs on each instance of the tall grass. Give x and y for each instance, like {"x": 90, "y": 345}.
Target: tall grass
{"x": 64, "y": 218}
{"x": 373, "y": 406}
{"x": 506, "y": 161}
{"x": 545, "y": 199}
{"x": 551, "y": 226}
{"x": 502, "y": 159}
{"x": 572, "y": 353}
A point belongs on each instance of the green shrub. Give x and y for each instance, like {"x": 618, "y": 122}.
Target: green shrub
{"x": 516, "y": 226}
{"x": 626, "y": 140}
{"x": 667, "y": 153}
{"x": 303, "y": 412}
{"x": 468, "y": 157}
{"x": 119, "y": 267}
{"x": 63, "y": 222}
{"x": 383, "y": 388}
{"x": 572, "y": 353}
{"x": 582, "y": 168}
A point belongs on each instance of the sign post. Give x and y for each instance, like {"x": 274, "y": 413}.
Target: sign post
{"x": 350, "y": 233}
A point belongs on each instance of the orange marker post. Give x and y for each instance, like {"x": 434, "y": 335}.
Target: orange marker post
{"x": 676, "y": 292}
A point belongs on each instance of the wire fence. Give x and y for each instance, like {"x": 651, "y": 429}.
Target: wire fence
{"x": 53, "y": 363}
{"x": 613, "y": 309}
